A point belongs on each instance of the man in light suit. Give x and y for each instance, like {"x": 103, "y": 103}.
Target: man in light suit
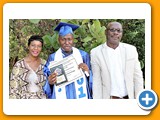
{"x": 116, "y": 69}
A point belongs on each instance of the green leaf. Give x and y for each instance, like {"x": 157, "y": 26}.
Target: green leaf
{"x": 35, "y": 21}
{"x": 64, "y": 20}
{"x": 85, "y": 21}
{"x": 97, "y": 26}
{"x": 142, "y": 64}
{"x": 88, "y": 38}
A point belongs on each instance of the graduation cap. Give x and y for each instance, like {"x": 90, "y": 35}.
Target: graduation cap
{"x": 65, "y": 28}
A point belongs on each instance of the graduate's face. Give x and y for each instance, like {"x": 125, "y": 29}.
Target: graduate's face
{"x": 114, "y": 33}
{"x": 66, "y": 42}
{"x": 35, "y": 48}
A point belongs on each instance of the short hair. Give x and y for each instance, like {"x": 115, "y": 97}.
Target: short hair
{"x": 35, "y": 37}
{"x": 115, "y": 22}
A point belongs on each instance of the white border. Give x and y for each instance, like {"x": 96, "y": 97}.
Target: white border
{"x": 74, "y": 11}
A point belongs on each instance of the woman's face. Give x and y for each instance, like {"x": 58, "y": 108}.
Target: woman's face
{"x": 35, "y": 48}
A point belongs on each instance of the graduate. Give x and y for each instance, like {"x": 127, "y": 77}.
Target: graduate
{"x": 78, "y": 89}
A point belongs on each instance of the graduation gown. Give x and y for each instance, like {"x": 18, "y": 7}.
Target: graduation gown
{"x": 70, "y": 88}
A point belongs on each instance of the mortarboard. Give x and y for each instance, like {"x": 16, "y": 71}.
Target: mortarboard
{"x": 65, "y": 28}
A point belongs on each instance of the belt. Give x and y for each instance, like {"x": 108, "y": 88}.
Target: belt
{"x": 115, "y": 97}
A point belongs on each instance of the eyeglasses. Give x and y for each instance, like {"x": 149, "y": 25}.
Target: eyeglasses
{"x": 114, "y": 30}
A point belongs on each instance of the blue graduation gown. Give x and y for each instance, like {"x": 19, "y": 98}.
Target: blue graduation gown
{"x": 70, "y": 89}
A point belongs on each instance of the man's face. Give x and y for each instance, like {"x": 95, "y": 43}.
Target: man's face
{"x": 66, "y": 42}
{"x": 114, "y": 33}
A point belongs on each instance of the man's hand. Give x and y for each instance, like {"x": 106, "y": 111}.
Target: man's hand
{"x": 84, "y": 67}
{"x": 52, "y": 78}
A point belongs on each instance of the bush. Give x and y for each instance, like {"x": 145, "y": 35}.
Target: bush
{"x": 89, "y": 35}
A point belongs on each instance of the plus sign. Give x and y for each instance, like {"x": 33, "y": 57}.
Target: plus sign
{"x": 147, "y": 99}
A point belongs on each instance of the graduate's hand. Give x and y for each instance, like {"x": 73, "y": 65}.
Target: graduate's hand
{"x": 52, "y": 78}
{"x": 84, "y": 67}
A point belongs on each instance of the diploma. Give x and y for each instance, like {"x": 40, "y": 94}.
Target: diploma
{"x": 66, "y": 69}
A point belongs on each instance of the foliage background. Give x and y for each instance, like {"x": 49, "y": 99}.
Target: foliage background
{"x": 90, "y": 34}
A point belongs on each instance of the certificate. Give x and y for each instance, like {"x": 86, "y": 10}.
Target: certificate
{"x": 66, "y": 69}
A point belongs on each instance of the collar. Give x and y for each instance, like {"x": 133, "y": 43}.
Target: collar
{"x": 65, "y": 54}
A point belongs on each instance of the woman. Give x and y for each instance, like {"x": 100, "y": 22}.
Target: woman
{"x": 27, "y": 77}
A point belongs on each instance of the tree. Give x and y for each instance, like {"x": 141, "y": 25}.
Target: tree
{"x": 90, "y": 34}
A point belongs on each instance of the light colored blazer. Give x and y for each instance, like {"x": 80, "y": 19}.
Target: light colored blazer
{"x": 101, "y": 74}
